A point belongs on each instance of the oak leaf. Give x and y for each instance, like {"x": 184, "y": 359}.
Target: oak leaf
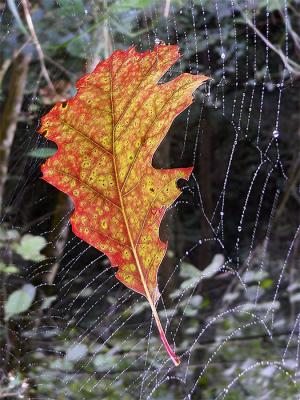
{"x": 106, "y": 137}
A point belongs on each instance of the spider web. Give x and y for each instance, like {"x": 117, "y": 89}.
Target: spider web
{"x": 235, "y": 318}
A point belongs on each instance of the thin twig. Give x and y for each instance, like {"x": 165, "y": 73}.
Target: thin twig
{"x": 7, "y": 63}
{"x": 107, "y": 38}
{"x": 293, "y": 182}
{"x": 4, "y": 67}
{"x": 37, "y": 44}
{"x": 68, "y": 73}
{"x": 9, "y": 117}
{"x": 292, "y": 32}
{"x": 294, "y": 10}
{"x": 290, "y": 65}
{"x": 167, "y": 8}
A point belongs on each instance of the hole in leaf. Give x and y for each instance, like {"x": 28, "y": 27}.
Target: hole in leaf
{"x": 182, "y": 184}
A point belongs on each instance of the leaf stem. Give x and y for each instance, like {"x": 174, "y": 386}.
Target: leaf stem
{"x": 173, "y": 356}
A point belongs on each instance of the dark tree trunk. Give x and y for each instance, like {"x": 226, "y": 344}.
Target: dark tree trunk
{"x": 9, "y": 118}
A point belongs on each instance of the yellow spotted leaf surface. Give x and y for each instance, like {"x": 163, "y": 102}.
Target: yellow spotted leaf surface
{"x": 106, "y": 137}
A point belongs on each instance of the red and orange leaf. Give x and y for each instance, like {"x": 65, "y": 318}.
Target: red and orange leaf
{"x": 106, "y": 137}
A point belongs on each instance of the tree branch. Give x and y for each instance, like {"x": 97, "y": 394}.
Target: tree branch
{"x": 10, "y": 115}
{"x": 38, "y": 46}
{"x": 289, "y": 64}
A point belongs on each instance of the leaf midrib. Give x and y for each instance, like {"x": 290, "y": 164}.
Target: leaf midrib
{"x": 142, "y": 277}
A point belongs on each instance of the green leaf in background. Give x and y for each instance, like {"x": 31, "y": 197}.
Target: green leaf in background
{"x": 295, "y": 298}
{"x": 125, "y": 29}
{"x": 130, "y": 4}
{"x": 254, "y": 276}
{"x": 14, "y": 10}
{"x": 30, "y": 247}
{"x": 19, "y": 301}
{"x": 268, "y": 305}
{"x": 103, "y": 362}
{"x": 273, "y": 5}
{"x": 9, "y": 235}
{"x": 8, "y": 269}
{"x": 267, "y": 283}
{"x": 189, "y": 271}
{"x": 71, "y": 8}
{"x": 77, "y": 48}
{"x": 76, "y": 353}
{"x": 47, "y": 302}
{"x": 194, "y": 275}
{"x": 43, "y": 152}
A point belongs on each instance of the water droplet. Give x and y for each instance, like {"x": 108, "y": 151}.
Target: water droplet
{"x": 223, "y": 56}
{"x": 159, "y": 41}
{"x": 180, "y": 11}
{"x": 86, "y": 11}
{"x": 222, "y": 213}
{"x": 239, "y": 228}
{"x": 275, "y": 133}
